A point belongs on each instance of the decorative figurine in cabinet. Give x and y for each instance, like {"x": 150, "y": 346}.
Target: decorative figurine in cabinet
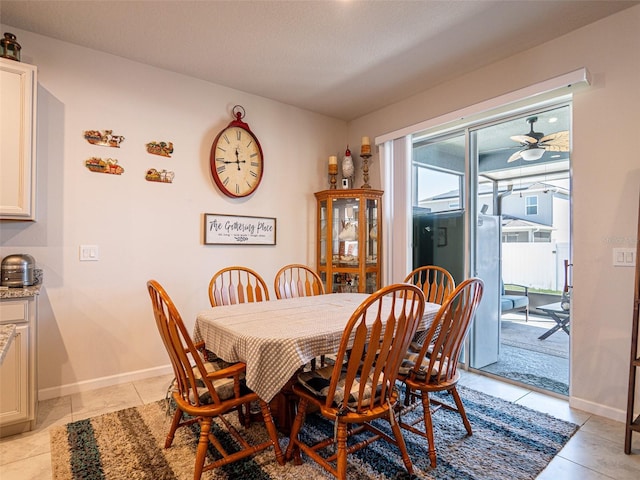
{"x": 349, "y": 239}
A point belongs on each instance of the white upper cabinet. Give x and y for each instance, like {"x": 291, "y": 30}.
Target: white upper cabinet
{"x": 18, "y": 85}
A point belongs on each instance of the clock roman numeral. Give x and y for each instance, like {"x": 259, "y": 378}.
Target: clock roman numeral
{"x": 255, "y": 164}
{"x": 220, "y": 148}
{"x": 249, "y": 185}
{"x": 238, "y": 135}
{"x": 253, "y": 174}
{"x": 253, "y": 155}
{"x": 226, "y": 139}
{"x": 250, "y": 142}
{"x": 221, "y": 168}
{"x": 225, "y": 181}
{"x": 237, "y": 188}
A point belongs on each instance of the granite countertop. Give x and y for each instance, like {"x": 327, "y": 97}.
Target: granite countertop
{"x": 20, "y": 292}
{"x": 7, "y": 332}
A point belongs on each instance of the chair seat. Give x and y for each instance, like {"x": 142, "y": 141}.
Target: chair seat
{"x": 509, "y": 302}
{"x": 317, "y": 383}
{"x": 409, "y": 363}
{"x": 224, "y": 386}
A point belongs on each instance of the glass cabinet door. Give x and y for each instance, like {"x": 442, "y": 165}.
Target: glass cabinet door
{"x": 345, "y": 232}
{"x": 322, "y": 233}
{"x": 371, "y": 230}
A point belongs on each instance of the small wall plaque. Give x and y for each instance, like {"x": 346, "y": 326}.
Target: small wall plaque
{"x": 108, "y": 165}
{"x": 103, "y": 138}
{"x": 164, "y": 149}
{"x": 238, "y": 230}
{"x": 162, "y": 176}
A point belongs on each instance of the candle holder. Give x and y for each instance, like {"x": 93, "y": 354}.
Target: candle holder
{"x": 365, "y": 169}
{"x": 333, "y": 171}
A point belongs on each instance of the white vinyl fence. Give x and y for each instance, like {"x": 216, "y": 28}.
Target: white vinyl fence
{"x": 536, "y": 265}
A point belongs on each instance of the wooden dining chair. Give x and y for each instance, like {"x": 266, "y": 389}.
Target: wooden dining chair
{"x": 435, "y": 367}
{"x": 436, "y": 282}
{"x": 235, "y": 284}
{"x": 205, "y": 391}
{"x": 360, "y": 386}
{"x": 297, "y": 280}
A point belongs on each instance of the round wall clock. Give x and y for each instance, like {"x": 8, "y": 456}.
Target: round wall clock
{"x": 236, "y": 159}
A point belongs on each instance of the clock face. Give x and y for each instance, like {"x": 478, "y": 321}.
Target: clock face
{"x": 236, "y": 162}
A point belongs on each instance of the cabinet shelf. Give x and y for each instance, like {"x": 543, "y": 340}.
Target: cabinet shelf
{"x": 349, "y": 239}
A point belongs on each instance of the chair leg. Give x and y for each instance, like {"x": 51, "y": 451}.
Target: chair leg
{"x": 460, "y": 405}
{"x": 203, "y": 445}
{"x": 293, "y": 449}
{"x": 177, "y": 416}
{"x": 271, "y": 429}
{"x": 341, "y": 458}
{"x": 428, "y": 427}
{"x": 397, "y": 432}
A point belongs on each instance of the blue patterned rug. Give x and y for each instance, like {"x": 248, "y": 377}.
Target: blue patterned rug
{"x": 508, "y": 442}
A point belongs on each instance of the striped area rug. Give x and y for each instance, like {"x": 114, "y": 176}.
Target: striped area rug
{"x": 508, "y": 442}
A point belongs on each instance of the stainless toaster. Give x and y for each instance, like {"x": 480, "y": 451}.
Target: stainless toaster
{"x": 18, "y": 270}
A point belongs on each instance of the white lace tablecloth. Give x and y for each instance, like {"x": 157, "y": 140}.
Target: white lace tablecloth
{"x": 278, "y": 337}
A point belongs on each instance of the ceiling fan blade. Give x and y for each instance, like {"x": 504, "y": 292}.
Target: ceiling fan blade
{"x": 524, "y": 139}
{"x": 556, "y": 148}
{"x": 514, "y": 157}
{"x": 557, "y": 138}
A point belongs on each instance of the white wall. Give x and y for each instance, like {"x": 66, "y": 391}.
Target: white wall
{"x": 606, "y": 183}
{"x": 96, "y": 325}
{"x": 95, "y": 317}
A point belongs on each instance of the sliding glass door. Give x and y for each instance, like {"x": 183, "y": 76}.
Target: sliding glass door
{"x": 492, "y": 200}
{"x": 438, "y": 204}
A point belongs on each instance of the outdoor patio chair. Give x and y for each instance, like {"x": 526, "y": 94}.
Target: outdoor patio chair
{"x": 516, "y": 301}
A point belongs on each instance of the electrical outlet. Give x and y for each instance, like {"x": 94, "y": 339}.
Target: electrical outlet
{"x": 89, "y": 253}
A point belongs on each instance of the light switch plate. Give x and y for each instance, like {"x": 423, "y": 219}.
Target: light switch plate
{"x": 624, "y": 257}
{"x": 89, "y": 253}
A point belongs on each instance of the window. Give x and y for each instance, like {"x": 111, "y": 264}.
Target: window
{"x": 531, "y": 205}
{"x": 544, "y": 237}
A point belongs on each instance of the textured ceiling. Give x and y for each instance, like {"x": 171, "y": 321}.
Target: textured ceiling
{"x": 339, "y": 58}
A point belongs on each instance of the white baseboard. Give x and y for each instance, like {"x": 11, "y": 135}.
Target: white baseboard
{"x": 598, "y": 409}
{"x": 85, "y": 386}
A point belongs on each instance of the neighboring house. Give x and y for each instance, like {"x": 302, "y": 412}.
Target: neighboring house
{"x": 533, "y": 212}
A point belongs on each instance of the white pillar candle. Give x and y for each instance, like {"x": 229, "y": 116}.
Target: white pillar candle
{"x": 333, "y": 160}
{"x": 365, "y": 148}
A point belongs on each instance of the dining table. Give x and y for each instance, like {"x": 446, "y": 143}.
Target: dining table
{"x": 276, "y": 338}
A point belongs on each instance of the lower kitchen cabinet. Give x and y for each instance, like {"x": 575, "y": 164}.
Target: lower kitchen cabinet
{"x": 18, "y": 394}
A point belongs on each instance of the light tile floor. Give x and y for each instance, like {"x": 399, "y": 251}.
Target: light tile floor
{"x": 595, "y": 452}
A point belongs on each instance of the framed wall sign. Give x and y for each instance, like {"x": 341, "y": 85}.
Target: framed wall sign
{"x": 238, "y": 230}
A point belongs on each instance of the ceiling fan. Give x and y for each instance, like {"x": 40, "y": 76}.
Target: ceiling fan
{"x": 534, "y": 144}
